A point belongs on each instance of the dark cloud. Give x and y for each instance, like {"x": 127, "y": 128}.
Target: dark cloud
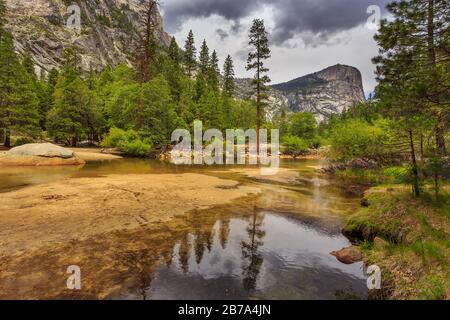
{"x": 318, "y": 20}
{"x": 177, "y": 11}
{"x": 311, "y": 20}
{"x": 222, "y": 34}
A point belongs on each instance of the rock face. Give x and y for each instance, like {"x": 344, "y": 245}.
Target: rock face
{"x": 277, "y": 100}
{"x": 107, "y": 30}
{"x": 39, "y": 154}
{"x": 324, "y": 93}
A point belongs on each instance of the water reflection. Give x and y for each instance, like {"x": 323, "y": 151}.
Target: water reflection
{"x": 244, "y": 250}
{"x": 251, "y": 255}
{"x": 263, "y": 255}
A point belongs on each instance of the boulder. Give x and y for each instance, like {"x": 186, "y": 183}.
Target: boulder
{"x": 39, "y": 154}
{"x": 348, "y": 255}
{"x": 46, "y": 150}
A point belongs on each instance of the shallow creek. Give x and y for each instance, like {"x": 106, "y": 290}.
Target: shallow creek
{"x": 275, "y": 245}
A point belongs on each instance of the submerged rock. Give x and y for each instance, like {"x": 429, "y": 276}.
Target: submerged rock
{"x": 39, "y": 154}
{"x": 348, "y": 255}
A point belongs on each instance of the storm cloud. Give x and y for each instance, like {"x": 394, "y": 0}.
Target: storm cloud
{"x": 310, "y": 20}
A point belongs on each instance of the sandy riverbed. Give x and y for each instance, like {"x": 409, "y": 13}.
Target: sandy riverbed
{"x": 57, "y": 212}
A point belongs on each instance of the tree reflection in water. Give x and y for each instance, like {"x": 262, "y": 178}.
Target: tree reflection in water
{"x": 224, "y": 232}
{"x": 140, "y": 265}
{"x": 252, "y": 258}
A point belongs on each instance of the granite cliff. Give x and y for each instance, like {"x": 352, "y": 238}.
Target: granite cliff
{"x": 107, "y": 30}
{"x": 324, "y": 93}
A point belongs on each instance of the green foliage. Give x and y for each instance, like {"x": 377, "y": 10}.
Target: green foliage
{"x": 258, "y": 40}
{"x": 294, "y": 144}
{"x": 189, "y": 60}
{"x": 128, "y": 142}
{"x": 19, "y": 101}
{"x": 354, "y": 138}
{"x": 22, "y": 140}
{"x": 433, "y": 288}
{"x": 397, "y": 174}
{"x": 228, "y": 76}
{"x": 74, "y": 111}
{"x": 303, "y": 125}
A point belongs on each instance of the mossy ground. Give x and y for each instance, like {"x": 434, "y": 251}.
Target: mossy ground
{"x": 415, "y": 258}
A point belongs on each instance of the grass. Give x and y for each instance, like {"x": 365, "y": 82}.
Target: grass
{"x": 415, "y": 257}
{"x": 372, "y": 177}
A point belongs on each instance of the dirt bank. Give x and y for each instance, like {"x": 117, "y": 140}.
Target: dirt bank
{"x": 408, "y": 238}
{"x": 80, "y": 208}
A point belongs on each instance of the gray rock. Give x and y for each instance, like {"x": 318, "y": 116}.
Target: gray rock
{"x": 46, "y": 150}
{"x": 324, "y": 93}
{"x": 106, "y": 37}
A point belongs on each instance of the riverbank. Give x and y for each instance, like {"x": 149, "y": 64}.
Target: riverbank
{"x": 82, "y": 155}
{"x": 409, "y": 239}
{"x": 94, "y": 154}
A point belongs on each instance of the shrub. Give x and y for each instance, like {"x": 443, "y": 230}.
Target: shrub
{"x": 355, "y": 138}
{"x": 135, "y": 148}
{"x": 397, "y": 174}
{"x": 128, "y": 142}
{"x": 23, "y": 140}
{"x": 294, "y": 144}
{"x": 303, "y": 124}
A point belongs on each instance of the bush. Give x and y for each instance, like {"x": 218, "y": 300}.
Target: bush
{"x": 22, "y": 140}
{"x": 355, "y": 138}
{"x": 397, "y": 174}
{"x": 128, "y": 142}
{"x": 294, "y": 144}
{"x": 303, "y": 125}
{"x": 135, "y": 148}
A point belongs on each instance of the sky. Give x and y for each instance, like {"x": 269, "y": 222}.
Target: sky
{"x": 305, "y": 35}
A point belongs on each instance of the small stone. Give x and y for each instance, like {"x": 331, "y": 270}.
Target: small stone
{"x": 380, "y": 242}
{"x": 348, "y": 255}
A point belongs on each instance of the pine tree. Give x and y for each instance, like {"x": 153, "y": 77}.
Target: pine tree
{"x": 174, "y": 52}
{"x": 145, "y": 42}
{"x": 40, "y": 87}
{"x": 28, "y": 64}
{"x": 18, "y": 100}
{"x": 213, "y": 72}
{"x": 255, "y": 61}
{"x": 75, "y": 110}
{"x": 190, "y": 55}
{"x": 204, "y": 59}
{"x": 228, "y": 77}
{"x": 412, "y": 69}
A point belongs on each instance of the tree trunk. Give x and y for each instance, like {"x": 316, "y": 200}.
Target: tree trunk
{"x": 440, "y": 139}
{"x": 7, "y": 138}
{"x": 421, "y": 149}
{"x": 258, "y": 100}
{"x": 415, "y": 170}
{"x": 2, "y": 135}
{"x": 74, "y": 141}
{"x": 440, "y": 125}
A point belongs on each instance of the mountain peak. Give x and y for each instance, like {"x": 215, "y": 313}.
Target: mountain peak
{"x": 326, "y": 92}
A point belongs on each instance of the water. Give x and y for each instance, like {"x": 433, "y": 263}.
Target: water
{"x": 268, "y": 257}
{"x": 274, "y": 247}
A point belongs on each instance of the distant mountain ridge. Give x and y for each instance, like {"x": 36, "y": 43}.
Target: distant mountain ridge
{"x": 326, "y": 92}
